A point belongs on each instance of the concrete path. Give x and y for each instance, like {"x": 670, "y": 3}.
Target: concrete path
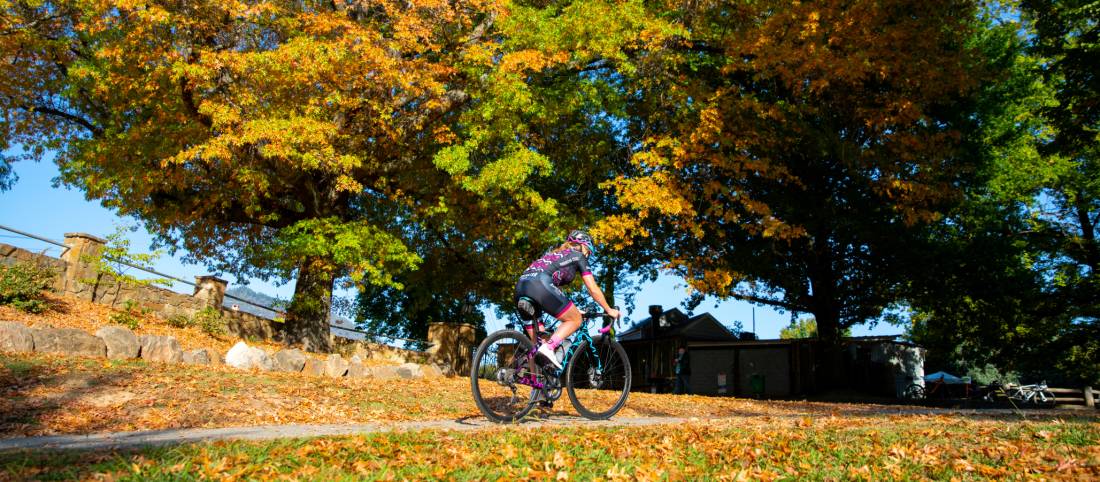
{"x": 129, "y": 440}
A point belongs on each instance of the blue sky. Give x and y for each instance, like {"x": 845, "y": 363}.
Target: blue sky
{"x": 34, "y": 205}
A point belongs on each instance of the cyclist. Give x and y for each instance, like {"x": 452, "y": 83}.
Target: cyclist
{"x": 537, "y": 289}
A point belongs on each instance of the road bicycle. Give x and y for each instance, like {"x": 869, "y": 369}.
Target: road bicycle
{"x": 507, "y": 381}
{"x": 1035, "y": 394}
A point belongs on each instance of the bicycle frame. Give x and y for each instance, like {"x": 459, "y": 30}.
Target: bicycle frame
{"x": 1030, "y": 392}
{"x": 581, "y": 335}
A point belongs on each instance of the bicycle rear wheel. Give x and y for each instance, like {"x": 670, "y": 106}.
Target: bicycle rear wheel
{"x": 501, "y": 376}
{"x": 598, "y": 379}
{"x": 913, "y": 392}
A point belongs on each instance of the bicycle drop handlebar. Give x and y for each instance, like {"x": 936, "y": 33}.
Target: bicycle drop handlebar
{"x": 589, "y": 316}
{"x": 607, "y": 322}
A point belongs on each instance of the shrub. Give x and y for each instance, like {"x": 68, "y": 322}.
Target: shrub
{"x": 181, "y": 321}
{"x": 211, "y": 322}
{"x": 984, "y": 375}
{"x": 21, "y": 286}
{"x": 130, "y": 315}
{"x": 116, "y": 261}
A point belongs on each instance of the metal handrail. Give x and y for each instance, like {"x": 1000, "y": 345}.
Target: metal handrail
{"x": 375, "y": 335}
{"x": 192, "y": 284}
{"x": 29, "y": 235}
{"x": 143, "y": 268}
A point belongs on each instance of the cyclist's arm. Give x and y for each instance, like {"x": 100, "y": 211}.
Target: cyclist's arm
{"x": 597, "y": 294}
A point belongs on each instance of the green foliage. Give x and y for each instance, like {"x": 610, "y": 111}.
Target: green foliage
{"x": 210, "y": 321}
{"x": 117, "y": 261}
{"x": 7, "y": 174}
{"x": 180, "y": 321}
{"x": 370, "y": 254}
{"x": 129, "y": 315}
{"x": 805, "y": 328}
{"x": 833, "y": 158}
{"x": 1016, "y": 284}
{"x": 21, "y": 286}
{"x": 984, "y": 375}
{"x": 802, "y": 328}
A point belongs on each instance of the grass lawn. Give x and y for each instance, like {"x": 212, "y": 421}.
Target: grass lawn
{"x": 812, "y": 448}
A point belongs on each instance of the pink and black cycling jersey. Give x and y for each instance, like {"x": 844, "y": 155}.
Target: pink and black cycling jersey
{"x": 561, "y": 266}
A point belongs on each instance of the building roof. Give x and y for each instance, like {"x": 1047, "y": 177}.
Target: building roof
{"x": 674, "y": 323}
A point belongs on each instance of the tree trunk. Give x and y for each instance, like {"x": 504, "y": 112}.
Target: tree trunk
{"x": 307, "y": 320}
{"x": 1088, "y": 233}
{"x": 823, "y": 302}
{"x": 828, "y": 328}
{"x": 826, "y": 310}
{"x": 611, "y": 276}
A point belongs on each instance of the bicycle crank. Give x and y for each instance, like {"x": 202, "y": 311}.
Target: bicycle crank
{"x": 551, "y": 384}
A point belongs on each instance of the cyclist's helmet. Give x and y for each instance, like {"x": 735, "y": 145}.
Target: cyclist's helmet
{"x": 581, "y": 237}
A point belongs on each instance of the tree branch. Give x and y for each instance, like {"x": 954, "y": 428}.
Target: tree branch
{"x": 770, "y": 302}
{"x": 75, "y": 119}
{"x": 189, "y": 102}
{"x": 31, "y": 25}
{"x": 479, "y": 31}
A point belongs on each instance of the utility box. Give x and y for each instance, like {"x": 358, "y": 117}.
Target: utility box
{"x": 756, "y": 385}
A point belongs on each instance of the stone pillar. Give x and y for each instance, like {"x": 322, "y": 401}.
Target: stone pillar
{"x": 451, "y": 345}
{"x": 78, "y": 268}
{"x": 210, "y": 290}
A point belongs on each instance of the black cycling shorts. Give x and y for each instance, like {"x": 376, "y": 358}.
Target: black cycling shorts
{"x": 542, "y": 291}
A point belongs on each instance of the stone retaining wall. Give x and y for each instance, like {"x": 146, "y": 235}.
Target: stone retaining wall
{"x": 119, "y": 343}
{"x": 76, "y": 277}
{"x": 451, "y": 344}
{"x": 12, "y": 255}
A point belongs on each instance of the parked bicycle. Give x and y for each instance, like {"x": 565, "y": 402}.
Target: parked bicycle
{"x": 1036, "y": 394}
{"x": 940, "y": 388}
{"x": 507, "y": 382}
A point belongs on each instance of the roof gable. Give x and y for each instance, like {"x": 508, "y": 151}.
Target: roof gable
{"x": 704, "y": 327}
{"x": 674, "y": 322}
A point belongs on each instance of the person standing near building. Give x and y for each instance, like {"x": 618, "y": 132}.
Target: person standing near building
{"x": 683, "y": 372}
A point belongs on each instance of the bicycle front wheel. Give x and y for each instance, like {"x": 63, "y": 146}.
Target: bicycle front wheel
{"x": 1044, "y": 399}
{"x": 598, "y": 379}
{"x": 501, "y": 376}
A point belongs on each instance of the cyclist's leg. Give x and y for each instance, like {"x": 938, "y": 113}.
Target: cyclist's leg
{"x": 570, "y": 322}
{"x": 529, "y": 308}
{"x": 551, "y": 300}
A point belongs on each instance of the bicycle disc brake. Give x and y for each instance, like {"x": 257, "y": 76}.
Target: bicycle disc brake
{"x": 595, "y": 377}
{"x": 507, "y": 377}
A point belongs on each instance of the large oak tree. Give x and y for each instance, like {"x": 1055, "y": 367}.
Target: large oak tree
{"x": 287, "y": 139}
{"x": 791, "y": 154}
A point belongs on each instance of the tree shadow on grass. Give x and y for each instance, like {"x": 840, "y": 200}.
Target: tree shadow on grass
{"x": 58, "y": 305}
{"x": 37, "y": 390}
